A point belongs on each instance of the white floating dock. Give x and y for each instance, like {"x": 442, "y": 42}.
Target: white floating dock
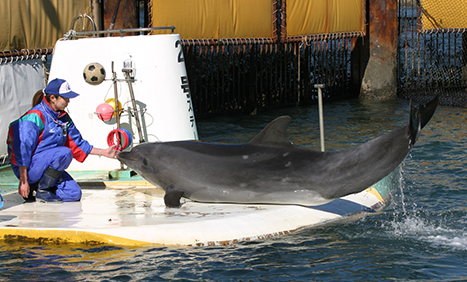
{"x": 137, "y": 216}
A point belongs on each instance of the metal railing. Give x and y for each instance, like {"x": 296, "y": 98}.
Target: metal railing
{"x": 255, "y": 77}
{"x": 72, "y": 34}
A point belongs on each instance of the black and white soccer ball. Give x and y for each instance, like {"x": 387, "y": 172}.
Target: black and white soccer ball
{"x": 94, "y": 73}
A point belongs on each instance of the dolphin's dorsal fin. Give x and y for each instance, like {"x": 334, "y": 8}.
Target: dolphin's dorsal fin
{"x": 274, "y": 133}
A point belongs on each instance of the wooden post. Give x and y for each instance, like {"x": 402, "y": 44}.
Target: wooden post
{"x": 464, "y": 58}
{"x": 252, "y": 101}
{"x": 374, "y": 59}
{"x": 360, "y": 53}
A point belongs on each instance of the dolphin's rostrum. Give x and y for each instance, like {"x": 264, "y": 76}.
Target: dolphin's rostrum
{"x": 270, "y": 169}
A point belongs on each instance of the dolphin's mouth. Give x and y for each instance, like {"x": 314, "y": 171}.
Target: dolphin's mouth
{"x": 127, "y": 156}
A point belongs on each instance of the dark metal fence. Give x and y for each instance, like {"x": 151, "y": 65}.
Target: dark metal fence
{"x": 250, "y": 77}
{"x": 259, "y": 76}
{"x": 430, "y": 62}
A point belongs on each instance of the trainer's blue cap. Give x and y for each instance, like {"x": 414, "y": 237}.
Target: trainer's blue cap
{"x": 60, "y": 87}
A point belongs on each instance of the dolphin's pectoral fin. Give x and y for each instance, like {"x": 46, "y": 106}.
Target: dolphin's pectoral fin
{"x": 172, "y": 197}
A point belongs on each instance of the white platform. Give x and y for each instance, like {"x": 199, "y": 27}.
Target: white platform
{"x": 137, "y": 216}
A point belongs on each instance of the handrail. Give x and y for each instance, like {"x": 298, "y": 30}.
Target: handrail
{"x": 123, "y": 30}
{"x": 83, "y": 16}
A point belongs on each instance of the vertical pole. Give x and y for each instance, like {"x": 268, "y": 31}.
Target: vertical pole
{"x": 321, "y": 118}
{"x": 464, "y": 58}
{"x": 117, "y": 108}
{"x": 305, "y": 76}
{"x": 117, "y": 113}
{"x": 129, "y": 81}
{"x": 114, "y": 17}
{"x": 96, "y": 13}
{"x": 297, "y": 47}
{"x": 117, "y": 14}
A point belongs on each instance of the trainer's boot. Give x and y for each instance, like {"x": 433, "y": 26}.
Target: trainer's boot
{"x": 46, "y": 189}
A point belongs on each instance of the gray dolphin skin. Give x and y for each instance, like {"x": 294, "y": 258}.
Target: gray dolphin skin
{"x": 270, "y": 169}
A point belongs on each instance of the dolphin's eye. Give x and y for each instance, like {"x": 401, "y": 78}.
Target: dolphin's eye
{"x": 145, "y": 161}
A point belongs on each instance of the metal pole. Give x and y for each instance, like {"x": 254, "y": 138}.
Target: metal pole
{"x": 117, "y": 108}
{"x": 114, "y": 17}
{"x": 96, "y": 13}
{"x": 122, "y": 30}
{"x": 117, "y": 113}
{"x": 129, "y": 80}
{"x": 321, "y": 119}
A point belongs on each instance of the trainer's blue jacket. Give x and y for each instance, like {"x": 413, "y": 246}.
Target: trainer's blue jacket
{"x": 43, "y": 128}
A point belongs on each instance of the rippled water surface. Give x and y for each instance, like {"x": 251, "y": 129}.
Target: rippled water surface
{"x": 421, "y": 236}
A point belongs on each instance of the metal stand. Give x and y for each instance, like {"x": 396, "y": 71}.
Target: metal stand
{"x": 321, "y": 119}
{"x": 117, "y": 108}
{"x": 129, "y": 81}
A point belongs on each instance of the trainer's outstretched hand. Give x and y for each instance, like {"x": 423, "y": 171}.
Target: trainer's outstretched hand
{"x": 109, "y": 152}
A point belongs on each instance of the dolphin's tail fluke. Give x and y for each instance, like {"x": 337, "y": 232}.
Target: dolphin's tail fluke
{"x": 419, "y": 117}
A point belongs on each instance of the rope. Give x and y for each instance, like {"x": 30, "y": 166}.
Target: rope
{"x": 71, "y": 34}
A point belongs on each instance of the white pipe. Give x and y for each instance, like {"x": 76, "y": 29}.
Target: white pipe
{"x": 321, "y": 119}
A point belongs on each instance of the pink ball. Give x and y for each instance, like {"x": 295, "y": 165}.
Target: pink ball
{"x": 104, "y": 111}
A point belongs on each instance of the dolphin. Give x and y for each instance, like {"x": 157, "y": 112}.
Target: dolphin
{"x": 270, "y": 169}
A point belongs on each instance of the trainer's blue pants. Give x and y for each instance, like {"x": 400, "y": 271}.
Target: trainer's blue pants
{"x": 58, "y": 158}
